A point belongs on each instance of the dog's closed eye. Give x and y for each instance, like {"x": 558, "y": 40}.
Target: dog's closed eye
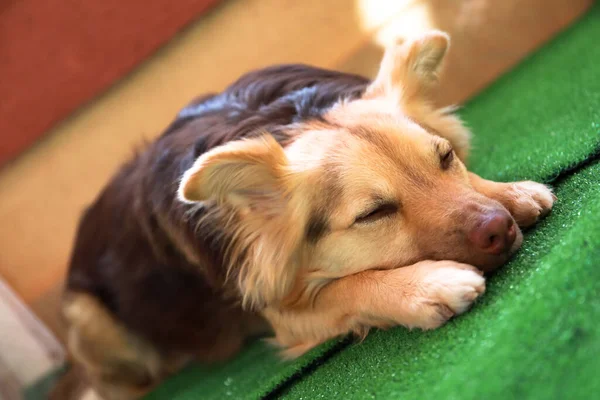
{"x": 378, "y": 212}
{"x": 445, "y": 151}
{"x": 446, "y": 158}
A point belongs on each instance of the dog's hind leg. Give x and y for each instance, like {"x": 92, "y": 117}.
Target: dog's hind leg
{"x": 117, "y": 364}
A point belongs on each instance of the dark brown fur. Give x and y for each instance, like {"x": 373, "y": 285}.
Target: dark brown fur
{"x": 338, "y": 212}
{"x": 138, "y": 249}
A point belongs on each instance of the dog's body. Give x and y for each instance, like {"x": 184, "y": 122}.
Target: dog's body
{"x": 139, "y": 256}
{"x": 287, "y": 204}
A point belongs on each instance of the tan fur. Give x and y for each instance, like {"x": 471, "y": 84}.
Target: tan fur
{"x": 527, "y": 201}
{"x": 410, "y": 68}
{"x": 386, "y": 147}
{"x": 252, "y": 176}
{"x": 389, "y": 145}
{"x": 423, "y": 295}
{"x": 119, "y": 363}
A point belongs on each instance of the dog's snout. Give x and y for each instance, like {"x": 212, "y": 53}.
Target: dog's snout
{"x": 495, "y": 234}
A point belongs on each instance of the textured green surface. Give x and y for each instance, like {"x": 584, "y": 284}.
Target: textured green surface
{"x": 544, "y": 116}
{"x": 535, "y": 334}
{"x": 536, "y": 322}
{"x": 252, "y": 374}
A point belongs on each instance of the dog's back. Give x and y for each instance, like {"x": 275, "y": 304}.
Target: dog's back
{"x": 146, "y": 288}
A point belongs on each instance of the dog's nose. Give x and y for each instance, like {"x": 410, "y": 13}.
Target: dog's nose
{"x": 495, "y": 234}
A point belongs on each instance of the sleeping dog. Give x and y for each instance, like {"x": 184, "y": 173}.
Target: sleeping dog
{"x": 299, "y": 203}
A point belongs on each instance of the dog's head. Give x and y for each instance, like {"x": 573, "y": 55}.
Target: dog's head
{"x": 378, "y": 182}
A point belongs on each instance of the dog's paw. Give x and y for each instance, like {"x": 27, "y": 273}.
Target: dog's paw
{"x": 529, "y": 201}
{"x": 448, "y": 289}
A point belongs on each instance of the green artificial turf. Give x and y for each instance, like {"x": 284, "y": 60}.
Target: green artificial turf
{"x": 534, "y": 335}
{"x": 543, "y": 117}
{"x": 251, "y": 375}
{"x": 535, "y": 326}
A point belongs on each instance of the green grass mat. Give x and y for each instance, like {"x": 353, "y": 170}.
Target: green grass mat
{"x": 538, "y": 121}
{"x": 543, "y": 117}
{"x": 252, "y": 374}
{"x": 534, "y": 335}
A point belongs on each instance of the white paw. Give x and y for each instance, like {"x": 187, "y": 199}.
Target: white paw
{"x": 448, "y": 290}
{"x": 529, "y": 201}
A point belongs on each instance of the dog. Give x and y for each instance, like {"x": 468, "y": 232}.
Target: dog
{"x": 300, "y": 203}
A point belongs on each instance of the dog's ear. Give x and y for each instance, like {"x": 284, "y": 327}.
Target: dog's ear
{"x": 410, "y": 67}
{"x": 251, "y": 178}
{"x": 236, "y": 172}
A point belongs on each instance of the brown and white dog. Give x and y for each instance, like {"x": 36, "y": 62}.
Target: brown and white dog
{"x": 299, "y": 202}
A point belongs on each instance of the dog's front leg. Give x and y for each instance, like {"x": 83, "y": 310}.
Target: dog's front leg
{"x": 527, "y": 201}
{"x": 423, "y": 295}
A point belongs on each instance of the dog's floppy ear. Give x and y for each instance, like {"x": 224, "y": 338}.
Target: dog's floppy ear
{"x": 410, "y": 67}
{"x": 250, "y": 177}
{"x": 236, "y": 172}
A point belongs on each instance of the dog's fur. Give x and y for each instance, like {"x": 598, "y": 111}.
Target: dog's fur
{"x": 286, "y": 205}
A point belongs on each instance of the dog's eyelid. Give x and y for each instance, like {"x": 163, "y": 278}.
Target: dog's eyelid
{"x": 446, "y": 154}
{"x": 447, "y": 158}
{"x": 442, "y": 146}
{"x": 378, "y": 211}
